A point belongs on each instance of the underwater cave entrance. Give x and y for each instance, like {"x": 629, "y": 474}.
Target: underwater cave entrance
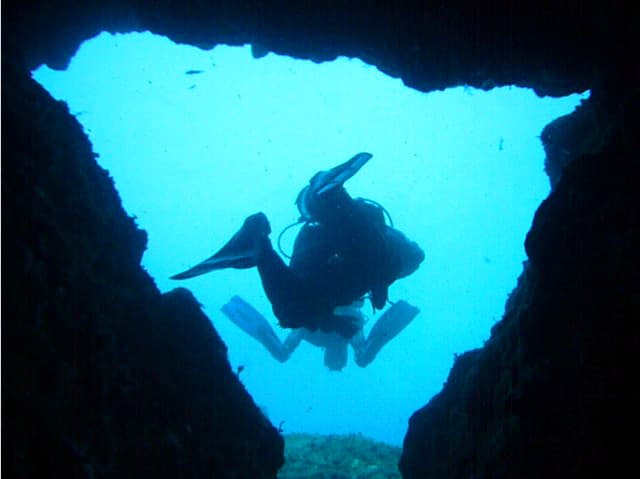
{"x": 197, "y": 140}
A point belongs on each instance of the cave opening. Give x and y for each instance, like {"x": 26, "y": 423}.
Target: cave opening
{"x": 197, "y": 140}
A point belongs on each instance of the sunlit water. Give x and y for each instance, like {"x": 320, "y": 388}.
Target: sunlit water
{"x": 197, "y": 140}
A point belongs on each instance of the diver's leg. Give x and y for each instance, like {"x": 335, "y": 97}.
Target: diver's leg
{"x": 394, "y": 320}
{"x": 239, "y": 252}
{"x": 247, "y": 318}
{"x": 292, "y": 341}
{"x": 293, "y": 301}
{"x": 357, "y": 342}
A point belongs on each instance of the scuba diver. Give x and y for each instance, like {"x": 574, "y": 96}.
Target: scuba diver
{"x": 344, "y": 251}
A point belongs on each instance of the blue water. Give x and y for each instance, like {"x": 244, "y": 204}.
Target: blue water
{"x": 460, "y": 171}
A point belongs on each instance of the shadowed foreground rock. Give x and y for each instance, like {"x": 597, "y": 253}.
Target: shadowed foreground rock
{"x": 103, "y": 377}
{"x": 550, "y": 394}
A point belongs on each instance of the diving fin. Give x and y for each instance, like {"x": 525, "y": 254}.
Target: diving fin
{"x": 325, "y": 181}
{"x": 239, "y": 252}
{"x": 247, "y": 318}
{"x": 394, "y": 320}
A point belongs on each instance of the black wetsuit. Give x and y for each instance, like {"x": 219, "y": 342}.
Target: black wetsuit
{"x": 348, "y": 252}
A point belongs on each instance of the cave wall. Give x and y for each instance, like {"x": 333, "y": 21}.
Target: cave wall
{"x": 103, "y": 376}
{"x": 549, "y": 395}
{"x": 556, "y": 48}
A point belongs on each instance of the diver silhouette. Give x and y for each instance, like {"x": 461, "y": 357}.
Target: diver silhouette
{"x": 343, "y": 252}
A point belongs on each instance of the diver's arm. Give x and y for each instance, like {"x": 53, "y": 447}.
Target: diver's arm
{"x": 379, "y": 295}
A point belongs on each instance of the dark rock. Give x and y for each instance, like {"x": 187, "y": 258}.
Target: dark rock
{"x": 103, "y": 376}
{"x": 557, "y": 48}
{"x": 549, "y": 395}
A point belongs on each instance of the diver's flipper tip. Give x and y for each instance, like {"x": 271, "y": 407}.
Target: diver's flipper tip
{"x": 337, "y": 176}
{"x": 239, "y": 252}
{"x": 394, "y": 320}
{"x": 215, "y": 263}
{"x": 247, "y": 318}
{"x": 190, "y": 273}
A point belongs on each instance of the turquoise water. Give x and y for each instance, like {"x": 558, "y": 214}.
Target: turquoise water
{"x": 192, "y": 154}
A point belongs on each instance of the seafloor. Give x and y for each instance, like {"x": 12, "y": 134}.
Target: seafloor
{"x": 353, "y": 456}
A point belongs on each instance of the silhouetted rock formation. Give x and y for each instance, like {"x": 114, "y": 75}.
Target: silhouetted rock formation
{"x": 549, "y": 395}
{"x": 102, "y": 375}
{"x": 105, "y": 377}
